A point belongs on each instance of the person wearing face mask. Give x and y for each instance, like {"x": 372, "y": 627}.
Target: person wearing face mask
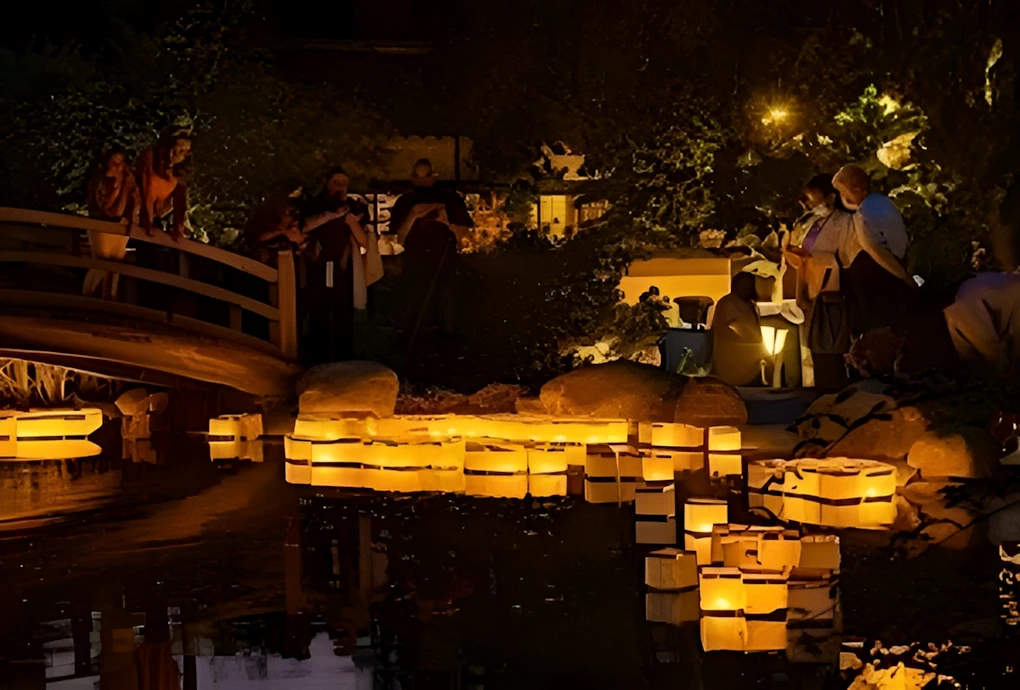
{"x": 823, "y": 241}
{"x": 878, "y": 287}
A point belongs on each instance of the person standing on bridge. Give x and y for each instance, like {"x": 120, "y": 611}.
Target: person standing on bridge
{"x": 112, "y": 196}
{"x": 333, "y": 224}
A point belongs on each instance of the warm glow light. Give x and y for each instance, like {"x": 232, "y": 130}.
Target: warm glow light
{"x": 669, "y": 435}
{"x": 701, "y": 514}
{"x": 722, "y": 589}
{"x": 239, "y": 426}
{"x": 48, "y": 434}
{"x": 774, "y": 339}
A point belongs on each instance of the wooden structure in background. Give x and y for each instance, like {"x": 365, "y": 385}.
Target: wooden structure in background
{"x": 44, "y": 317}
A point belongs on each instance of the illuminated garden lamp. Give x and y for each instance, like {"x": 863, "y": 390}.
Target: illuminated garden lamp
{"x": 774, "y": 340}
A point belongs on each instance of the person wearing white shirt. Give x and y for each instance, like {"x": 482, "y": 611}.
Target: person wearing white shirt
{"x": 879, "y": 288}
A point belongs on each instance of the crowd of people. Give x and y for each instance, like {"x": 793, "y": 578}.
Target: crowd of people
{"x": 849, "y": 253}
{"x": 329, "y": 232}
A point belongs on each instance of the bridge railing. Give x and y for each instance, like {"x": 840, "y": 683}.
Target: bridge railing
{"x": 39, "y": 238}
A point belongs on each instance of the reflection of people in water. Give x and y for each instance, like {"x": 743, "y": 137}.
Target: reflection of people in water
{"x": 430, "y": 222}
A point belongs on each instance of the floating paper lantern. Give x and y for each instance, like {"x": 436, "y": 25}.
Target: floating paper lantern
{"x": 700, "y": 516}
{"x": 780, "y": 551}
{"x": 57, "y": 449}
{"x": 723, "y": 633}
{"x": 725, "y": 465}
{"x": 624, "y": 464}
{"x": 656, "y": 467}
{"x": 390, "y": 454}
{"x": 547, "y": 485}
{"x": 319, "y": 427}
{"x": 682, "y": 460}
{"x": 673, "y": 608}
{"x": 644, "y": 433}
{"x": 493, "y": 457}
{"x": 609, "y": 490}
{"x": 722, "y": 589}
{"x": 54, "y": 424}
{"x": 671, "y": 569}
{"x": 338, "y": 476}
{"x": 655, "y": 530}
{"x": 765, "y": 634}
{"x": 671, "y": 435}
{"x": 764, "y": 593}
{"x": 393, "y": 480}
{"x": 551, "y": 458}
{"x": 496, "y": 485}
{"x": 298, "y": 472}
{"x": 724, "y": 439}
{"x": 240, "y": 426}
{"x": 443, "y": 481}
{"x": 657, "y": 499}
{"x": 237, "y": 450}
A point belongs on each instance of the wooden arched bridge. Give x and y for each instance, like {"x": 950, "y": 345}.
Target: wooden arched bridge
{"x": 183, "y": 309}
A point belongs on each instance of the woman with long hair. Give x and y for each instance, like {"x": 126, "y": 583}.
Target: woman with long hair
{"x": 113, "y": 196}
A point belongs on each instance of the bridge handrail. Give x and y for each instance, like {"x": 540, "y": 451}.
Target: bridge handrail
{"x": 282, "y": 313}
{"x": 70, "y": 221}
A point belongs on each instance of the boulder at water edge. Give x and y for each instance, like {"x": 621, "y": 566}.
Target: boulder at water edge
{"x": 642, "y": 393}
{"x": 358, "y": 387}
{"x": 888, "y": 435}
{"x": 963, "y": 451}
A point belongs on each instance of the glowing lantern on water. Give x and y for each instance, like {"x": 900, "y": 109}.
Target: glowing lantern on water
{"x": 723, "y": 633}
{"x": 766, "y": 634}
{"x": 399, "y": 481}
{"x": 622, "y": 463}
{"x": 546, "y": 485}
{"x": 656, "y": 500}
{"x": 326, "y": 428}
{"x": 673, "y": 608}
{"x": 298, "y": 472}
{"x": 49, "y": 434}
{"x": 609, "y": 490}
{"x": 725, "y": 465}
{"x": 496, "y": 485}
{"x": 551, "y": 458}
{"x": 683, "y": 460}
{"x": 779, "y": 551}
{"x": 722, "y": 589}
{"x": 239, "y": 426}
{"x": 237, "y": 450}
{"x": 700, "y": 516}
{"x": 443, "y": 481}
{"x": 656, "y": 467}
{"x": 492, "y": 457}
{"x": 671, "y": 569}
{"x": 337, "y": 475}
{"x": 764, "y": 593}
{"x": 671, "y": 435}
{"x": 724, "y": 439}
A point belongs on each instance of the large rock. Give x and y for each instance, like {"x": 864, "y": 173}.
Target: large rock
{"x": 358, "y": 387}
{"x": 829, "y": 416}
{"x": 887, "y": 436}
{"x": 707, "y": 401}
{"x": 965, "y": 452}
{"x": 642, "y": 393}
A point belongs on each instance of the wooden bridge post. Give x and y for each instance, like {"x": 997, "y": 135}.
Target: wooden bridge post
{"x": 287, "y": 305}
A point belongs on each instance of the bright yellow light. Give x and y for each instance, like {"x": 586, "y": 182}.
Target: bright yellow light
{"x": 774, "y": 339}
{"x": 775, "y": 115}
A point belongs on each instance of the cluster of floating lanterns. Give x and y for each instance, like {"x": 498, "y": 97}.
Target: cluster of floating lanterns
{"x": 236, "y": 437}
{"x": 753, "y": 589}
{"x": 48, "y": 434}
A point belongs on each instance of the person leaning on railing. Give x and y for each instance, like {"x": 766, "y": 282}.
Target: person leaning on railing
{"x": 112, "y": 196}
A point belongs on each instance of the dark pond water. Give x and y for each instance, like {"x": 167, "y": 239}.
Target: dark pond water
{"x": 188, "y": 575}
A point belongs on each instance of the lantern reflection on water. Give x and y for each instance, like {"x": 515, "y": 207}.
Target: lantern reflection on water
{"x": 723, "y": 633}
{"x": 239, "y": 426}
{"x": 495, "y": 457}
{"x": 674, "y": 608}
{"x": 237, "y": 449}
{"x": 48, "y": 434}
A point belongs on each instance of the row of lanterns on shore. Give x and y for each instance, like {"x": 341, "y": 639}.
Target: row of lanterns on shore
{"x": 48, "y": 434}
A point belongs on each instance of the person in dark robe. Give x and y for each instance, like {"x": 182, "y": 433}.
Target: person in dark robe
{"x": 333, "y": 225}
{"x": 430, "y": 223}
